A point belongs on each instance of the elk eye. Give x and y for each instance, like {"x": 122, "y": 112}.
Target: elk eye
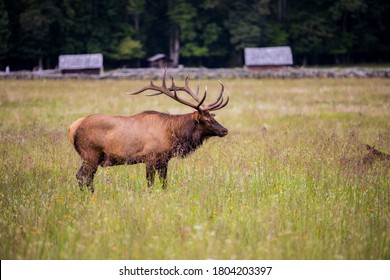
{"x": 204, "y": 120}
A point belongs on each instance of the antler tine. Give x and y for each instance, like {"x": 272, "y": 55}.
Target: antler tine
{"x": 172, "y": 82}
{"x": 141, "y": 90}
{"x": 151, "y": 86}
{"x": 203, "y": 98}
{"x": 215, "y": 104}
{"x": 219, "y": 97}
{"x": 163, "y": 78}
{"x": 154, "y": 94}
{"x": 186, "y": 81}
{"x": 194, "y": 95}
{"x": 219, "y": 106}
{"x": 188, "y": 90}
{"x": 187, "y": 87}
{"x": 219, "y": 102}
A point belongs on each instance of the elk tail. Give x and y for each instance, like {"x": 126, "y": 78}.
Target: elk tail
{"x": 72, "y": 130}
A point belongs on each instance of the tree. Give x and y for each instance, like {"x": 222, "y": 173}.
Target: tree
{"x": 128, "y": 49}
{"x": 344, "y": 15}
{"x": 245, "y": 23}
{"x": 310, "y": 29}
{"x": 181, "y": 15}
{"x": 193, "y": 32}
{"x": 136, "y": 8}
{"x": 38, "y": 22}
{"x": 94, "y": 26}
{"x": 209, "y": 31}
{"x": 4, "y": 31}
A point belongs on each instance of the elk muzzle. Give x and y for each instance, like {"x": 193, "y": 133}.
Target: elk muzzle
{"x": 217, "y": 129}
{"x": 223, "y": 132}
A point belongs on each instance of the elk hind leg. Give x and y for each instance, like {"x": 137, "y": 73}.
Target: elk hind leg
{"x": 86, "y": 174}
{"x": 150, "y": 173}
{"x": 161, "y": 167}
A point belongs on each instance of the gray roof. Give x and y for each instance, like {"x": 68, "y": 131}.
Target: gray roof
{"x": 156, "y": 57}
{"x": 80, "y": 61}
{"x": 268, "y": 56}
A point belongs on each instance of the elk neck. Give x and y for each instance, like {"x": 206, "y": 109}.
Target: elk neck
{"x": 186, "y": 135}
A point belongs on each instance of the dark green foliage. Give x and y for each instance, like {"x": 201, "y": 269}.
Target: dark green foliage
{"x": 4, "y": 31}
{"x": 212, "y": 33}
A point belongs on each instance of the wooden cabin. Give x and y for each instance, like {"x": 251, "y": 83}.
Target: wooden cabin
{"x": 81, "y": 63}
{"x": 273, "y": 58}
{"x": 159, "y": 60}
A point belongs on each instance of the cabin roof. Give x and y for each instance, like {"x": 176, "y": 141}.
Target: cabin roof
{"x": 156, "y": 57}
{"x": 268, "y": 56}
{"x": 80, "y": 61}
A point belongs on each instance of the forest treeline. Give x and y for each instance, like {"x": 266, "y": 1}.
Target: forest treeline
{"x": 211, "y": 33}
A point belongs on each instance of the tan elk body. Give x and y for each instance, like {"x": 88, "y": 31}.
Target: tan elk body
{"x": 150, "y": 137}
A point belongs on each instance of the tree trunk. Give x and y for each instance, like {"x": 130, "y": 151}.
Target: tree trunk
{"x": 174, "y": 46}
{"x": 40, "y": 62}
{"x": 48, "y": 63}
{"x": 136, "y": 22}
{"x": 282, "y": 6}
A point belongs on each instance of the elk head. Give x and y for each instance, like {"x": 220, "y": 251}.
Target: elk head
{"x": 202, "y": 116}
{"x": 374, "y": 154}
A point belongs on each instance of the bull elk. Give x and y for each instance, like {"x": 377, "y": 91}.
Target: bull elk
{"x": 149, "y": 137}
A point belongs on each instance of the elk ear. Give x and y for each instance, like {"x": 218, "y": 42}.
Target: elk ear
{"x": 195, "y": 117}
{"x": 213, "y": 115}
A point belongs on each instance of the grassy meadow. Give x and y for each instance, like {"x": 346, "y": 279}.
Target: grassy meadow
{"x": 287, "y": 182}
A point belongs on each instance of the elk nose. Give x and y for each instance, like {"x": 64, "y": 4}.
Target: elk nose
{"x": 224, "y": 132}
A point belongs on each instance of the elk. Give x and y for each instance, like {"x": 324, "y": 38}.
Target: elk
{"x": 149, "y": 137}
{"x": 374, "y": 154}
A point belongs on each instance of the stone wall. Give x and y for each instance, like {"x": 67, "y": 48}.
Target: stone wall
{"x": 205, "y": 73}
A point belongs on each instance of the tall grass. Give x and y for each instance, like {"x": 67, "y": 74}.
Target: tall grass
{"x": 286, "y": 183}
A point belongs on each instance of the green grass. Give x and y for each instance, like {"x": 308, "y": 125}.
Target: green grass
{"x": 298, "y": 191}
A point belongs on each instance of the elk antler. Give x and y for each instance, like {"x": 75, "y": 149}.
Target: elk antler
{"x": 172, "y": 93}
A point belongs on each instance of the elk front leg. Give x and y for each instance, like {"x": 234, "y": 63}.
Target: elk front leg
{"x": 162, "y": 172}
{"x": 86, "y": 174}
